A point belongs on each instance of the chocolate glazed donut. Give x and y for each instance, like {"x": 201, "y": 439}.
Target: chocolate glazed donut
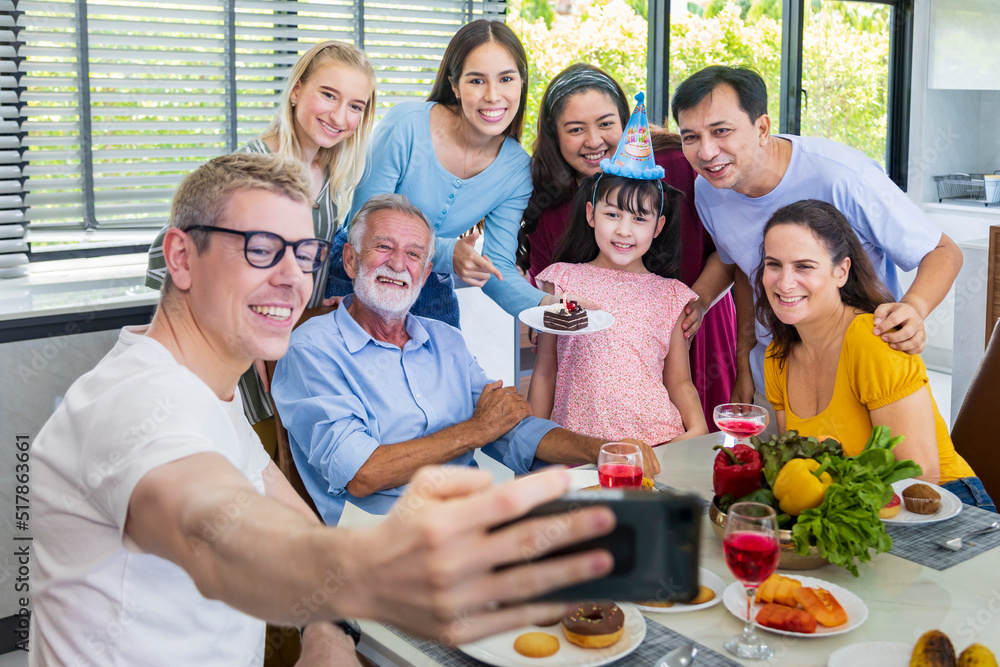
{"x": 594, "y": 624}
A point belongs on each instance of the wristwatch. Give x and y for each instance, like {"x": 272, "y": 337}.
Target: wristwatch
{"x": 350, "y": 628}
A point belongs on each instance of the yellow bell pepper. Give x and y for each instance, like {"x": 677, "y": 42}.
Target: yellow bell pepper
{"x": 801, "y": 485}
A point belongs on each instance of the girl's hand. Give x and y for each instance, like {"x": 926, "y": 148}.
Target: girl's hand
{"x": 693, "y": 315}
{"x": 550, "y": 299}
{"x": 469, "y": 265}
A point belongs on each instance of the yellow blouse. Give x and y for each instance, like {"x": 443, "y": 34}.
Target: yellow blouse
{"x": 870, "y": 375}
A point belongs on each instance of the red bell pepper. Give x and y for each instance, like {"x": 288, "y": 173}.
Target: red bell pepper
{"x": 737, "y": 471}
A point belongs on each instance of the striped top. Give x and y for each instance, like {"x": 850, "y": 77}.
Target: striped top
{"x": 256, "y": 402}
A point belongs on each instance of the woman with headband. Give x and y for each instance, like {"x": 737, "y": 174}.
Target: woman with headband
{"x": 582, "y": 116}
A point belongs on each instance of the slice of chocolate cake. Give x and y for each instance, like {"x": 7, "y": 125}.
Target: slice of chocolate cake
{"x": 565, "y": 316}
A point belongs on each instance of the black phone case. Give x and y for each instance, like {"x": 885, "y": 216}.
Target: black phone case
{"x": 655, "y": 546}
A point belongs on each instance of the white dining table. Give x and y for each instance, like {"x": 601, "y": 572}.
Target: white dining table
{"x": 904, "y": 599}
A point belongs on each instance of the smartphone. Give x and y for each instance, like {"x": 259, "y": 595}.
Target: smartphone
{"x": 654, "y": 544}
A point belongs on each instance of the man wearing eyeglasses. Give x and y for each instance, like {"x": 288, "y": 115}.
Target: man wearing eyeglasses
{"x": 370, "y": 393}
{"x": 163, "y": 533}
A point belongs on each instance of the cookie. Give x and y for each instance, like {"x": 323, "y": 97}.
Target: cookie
{"x": 536, "y": 644}
{"x": 655, "y": 603}
{"x": 705, "y": 594}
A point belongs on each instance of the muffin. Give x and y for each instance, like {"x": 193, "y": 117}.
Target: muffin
{"x": 921, "y": 499}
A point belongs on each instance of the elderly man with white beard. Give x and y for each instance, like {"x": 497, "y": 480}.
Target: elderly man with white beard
{"x": 370, "y": 393}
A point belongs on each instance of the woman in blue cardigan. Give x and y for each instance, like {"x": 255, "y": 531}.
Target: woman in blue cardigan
{"x": 457, "y": 158}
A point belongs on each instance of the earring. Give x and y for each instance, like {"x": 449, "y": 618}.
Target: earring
{"x": 293, "y": 104}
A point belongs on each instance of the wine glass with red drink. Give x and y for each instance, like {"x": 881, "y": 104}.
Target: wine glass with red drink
{"x": 752, "y": 553}
{"x": 740, "y": 420}
{"x": 619, "y": 466}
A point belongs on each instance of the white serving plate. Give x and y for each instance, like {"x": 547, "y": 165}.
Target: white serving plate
{"x": 735, "y": 599}
{"x": 872, "y": 654}
{"x": 949, "y": 507}
{"x": 705, "y": 578}
{"x": 499, "y": 650}
{"x": 597, "y": 320}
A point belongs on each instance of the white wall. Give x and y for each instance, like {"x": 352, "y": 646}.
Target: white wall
{"x": 32, "y": 375}
{"x": 950, "y": 131}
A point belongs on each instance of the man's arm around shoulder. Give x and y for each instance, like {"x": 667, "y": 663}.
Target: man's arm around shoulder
{"x": 935, "y": 275}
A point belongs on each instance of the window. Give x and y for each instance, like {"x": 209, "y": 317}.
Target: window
{"x": 730, "y": 33}
{"x": 107, "y": 104}
{"x": 845, "y": 74}
{"x": 834, "y": 68}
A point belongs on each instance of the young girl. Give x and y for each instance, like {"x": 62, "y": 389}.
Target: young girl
{"x": 621, "y": 250}
{"x": 324, "y": 120}
{"x": 580, "y": 121}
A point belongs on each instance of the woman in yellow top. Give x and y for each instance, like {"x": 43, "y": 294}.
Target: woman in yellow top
{"x": 825, "y": 373}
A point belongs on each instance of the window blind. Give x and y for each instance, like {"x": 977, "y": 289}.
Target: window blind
{"x": 13, "y": 249}
{"x": 119, "y": 99}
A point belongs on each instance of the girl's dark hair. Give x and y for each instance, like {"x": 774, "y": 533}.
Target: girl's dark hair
{"x": 469, "y": 38}
{"x": 863, "y": 289}
{"x": 553, "y": 178}
{"x": 579, "y": 245}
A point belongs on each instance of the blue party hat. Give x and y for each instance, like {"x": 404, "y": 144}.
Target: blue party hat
{"x": 634, "y": 156}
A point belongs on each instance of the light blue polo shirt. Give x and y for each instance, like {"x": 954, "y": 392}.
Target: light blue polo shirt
{"x": 893, "y": 230}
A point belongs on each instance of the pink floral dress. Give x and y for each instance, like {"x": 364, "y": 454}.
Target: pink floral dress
{"x": 610, "y": 383}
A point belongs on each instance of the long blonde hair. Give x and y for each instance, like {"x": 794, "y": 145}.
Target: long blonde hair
{"x": 346, "y": 173}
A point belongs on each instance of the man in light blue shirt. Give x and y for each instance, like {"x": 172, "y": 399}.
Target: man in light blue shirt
{"x": 370, "y": 393}
{"x": 745, "y": 174}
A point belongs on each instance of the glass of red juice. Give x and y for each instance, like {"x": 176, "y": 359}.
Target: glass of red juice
{"x": 751, "y": 549}
{"x": 740, "y": 420}
{"x": 619, "y": 466}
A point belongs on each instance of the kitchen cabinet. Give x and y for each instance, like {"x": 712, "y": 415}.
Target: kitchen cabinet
{"x": 964, "y": 49}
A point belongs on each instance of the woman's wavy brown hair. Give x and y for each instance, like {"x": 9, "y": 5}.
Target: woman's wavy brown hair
{"x": 863, "y": 289}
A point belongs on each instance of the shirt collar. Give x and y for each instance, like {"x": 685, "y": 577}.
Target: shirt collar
{"x": 356, "y": 338}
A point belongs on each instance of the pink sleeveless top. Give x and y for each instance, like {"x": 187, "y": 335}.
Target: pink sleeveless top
{"x": 610, "y": 384}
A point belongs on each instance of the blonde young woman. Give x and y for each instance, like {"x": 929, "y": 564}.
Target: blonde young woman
{"x": 324, "y": 119}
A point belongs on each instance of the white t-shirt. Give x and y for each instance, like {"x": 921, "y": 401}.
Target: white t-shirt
{"x": 893, "y": 230}
{"x": 97, "y": 600}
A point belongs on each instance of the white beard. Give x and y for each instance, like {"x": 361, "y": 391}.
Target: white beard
{"x": 388, "y": 302}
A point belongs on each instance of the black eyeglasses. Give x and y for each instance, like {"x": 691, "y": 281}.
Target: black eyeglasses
{"x": 264, "y": 249}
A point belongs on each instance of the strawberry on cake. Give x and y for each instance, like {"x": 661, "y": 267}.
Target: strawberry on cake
{"x": 567, "y": 315}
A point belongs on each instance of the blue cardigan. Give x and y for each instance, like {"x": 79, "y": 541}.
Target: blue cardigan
{"x": 402, "y": 160}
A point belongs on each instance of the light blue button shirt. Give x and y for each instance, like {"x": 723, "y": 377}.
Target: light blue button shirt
{"x": 341, "y": 394}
